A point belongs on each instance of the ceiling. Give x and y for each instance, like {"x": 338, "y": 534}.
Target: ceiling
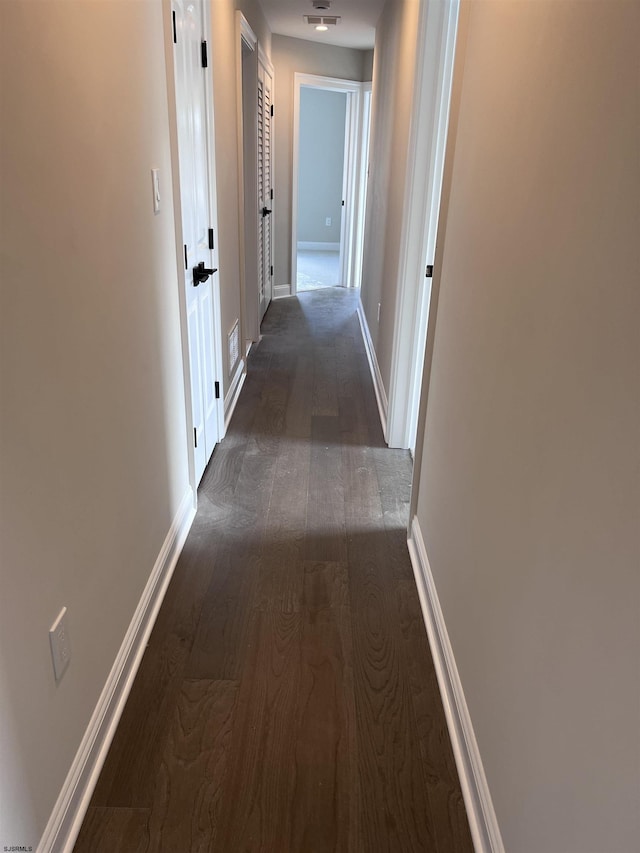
{"x": 355, "y": 29}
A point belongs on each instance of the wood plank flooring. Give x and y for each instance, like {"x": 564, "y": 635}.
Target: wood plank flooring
{"x": 287, "y": 700}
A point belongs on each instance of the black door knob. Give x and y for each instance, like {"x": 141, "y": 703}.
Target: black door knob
{"x": 265, "y": 211}
{"x": 201, "y": 273}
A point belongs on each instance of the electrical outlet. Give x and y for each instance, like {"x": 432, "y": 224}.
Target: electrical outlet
{"x": 60, "y": 649}
{"x": 327, "y": 222}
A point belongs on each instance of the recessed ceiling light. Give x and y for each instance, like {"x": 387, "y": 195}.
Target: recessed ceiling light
{"x": 321, "y": 28}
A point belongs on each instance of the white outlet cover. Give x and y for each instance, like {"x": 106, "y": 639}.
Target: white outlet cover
{"x": 60, "y": 649}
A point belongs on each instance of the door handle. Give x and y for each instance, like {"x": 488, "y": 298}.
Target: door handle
{"x": 201, "y": 273}
{"x": 266, "y": 211}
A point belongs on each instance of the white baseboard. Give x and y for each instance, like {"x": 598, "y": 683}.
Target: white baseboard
{"x": 477, "y": 797}
{"x": 233, "y": 393}
{"x": 381, "y": 394}
{"x": 281, "y": 290}
{"x": 68, "y": 813}
{"x": 310, "y": 246}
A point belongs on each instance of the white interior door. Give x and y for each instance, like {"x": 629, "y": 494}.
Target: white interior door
{"x": 265, "y": 186}
{"x": 197, "y": 196}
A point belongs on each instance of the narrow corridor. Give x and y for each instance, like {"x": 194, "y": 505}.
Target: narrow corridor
{"x": 287, "y": 700}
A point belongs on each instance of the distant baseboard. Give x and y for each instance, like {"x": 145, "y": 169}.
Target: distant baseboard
{"x": 281, "y": 290}
{"x": 233, "y": 393}
{"x": 68, "y": 813}
{"x": 475, "y": 790}
{"x": 306, "y": 245}
{"x": 378, "y": 385}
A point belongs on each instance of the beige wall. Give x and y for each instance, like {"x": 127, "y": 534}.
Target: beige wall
{"x": 393, "y": 86}
{"x": 257, "y": 21}
{"x": 289, "y": 56}
{"x": 227, "y": 101}
{"x": 93, "y": 437}
{"x": 226, "y": 96}
{"x": 367, "y": 66}
{"x": 528, "y": 489}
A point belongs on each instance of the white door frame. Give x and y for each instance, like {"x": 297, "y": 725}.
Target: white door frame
{"x": 352, "y": 213}
{"x": 246, "y": 39}
{"x": 177, "y": 207}
{"x": 437, "y": 30}
{"x": 362, "y": 182}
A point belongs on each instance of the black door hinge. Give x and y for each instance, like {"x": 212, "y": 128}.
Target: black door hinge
{"x": 272, "y": 111}
{"x": 271, "y": 270}
{"x": 272, "y": 195}
{"x": 343, "y": 202}
{"x": 429, "y": 272}
{"x": 216, "y": 385}
{"x": 175, "y": 32}
{"x": 186, "y": 262}
{"x": 211, "y": 238}
{"x": 195, "y": 436}
{"x": 203, "y": 54}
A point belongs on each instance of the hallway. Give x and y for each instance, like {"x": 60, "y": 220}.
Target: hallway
{"x": 287, "y": 700}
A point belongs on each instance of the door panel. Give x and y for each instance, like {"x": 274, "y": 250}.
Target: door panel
{"x": 196, "y": 194}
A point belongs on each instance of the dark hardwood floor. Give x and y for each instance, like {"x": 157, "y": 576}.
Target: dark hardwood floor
{"x": 287, "y": 700}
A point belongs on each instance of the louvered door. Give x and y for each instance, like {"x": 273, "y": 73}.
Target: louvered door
{"x": 265, "y": 187}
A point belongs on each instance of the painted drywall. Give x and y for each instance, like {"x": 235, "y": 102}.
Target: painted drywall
{"x": 321, "y": 164}
{"x": 226, "y": 99}
{"x": 528, "y": 489}
{"x": 289, "y": 56}
{"x": 93, "y": 436}
{"x": 393, "y": 87}
{"x": 253, "y": 13}
{"x": 367, "y": 66}
{"x": 227, "y": 95}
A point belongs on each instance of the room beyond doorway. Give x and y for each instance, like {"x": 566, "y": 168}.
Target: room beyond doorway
{"x": 328, "y": 175}
{"x": 323, "y": 115}
{"x": 317, "y": 269}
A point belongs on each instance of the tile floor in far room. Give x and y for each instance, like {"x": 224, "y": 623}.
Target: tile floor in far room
{"x": 317, "y": 270}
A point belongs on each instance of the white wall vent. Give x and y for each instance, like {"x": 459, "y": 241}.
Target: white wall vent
{"x": 234, "y": 345}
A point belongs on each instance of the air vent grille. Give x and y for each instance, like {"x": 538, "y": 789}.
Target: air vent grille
{"x": 322, "y": 20}
{"x": 234, "y": 345}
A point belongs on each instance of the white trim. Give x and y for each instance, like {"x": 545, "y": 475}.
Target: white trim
{"x": 231, "y": 397}
{"x": 245, "y": 39}
{"x": 437, "y": 29}
{"x": 310, "y": 246}
{"x": 475, "y": 790}
{"x": 362, "y": 183}
{"x": 378, "y": 385}
{"x": 246, "y": 33}
{"x": 68, "y": 813}
{"x": 351, "y": 213}
{"x": 281, "y": 291}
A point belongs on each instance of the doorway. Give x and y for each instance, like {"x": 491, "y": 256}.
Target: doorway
{"x": 323, "y": 117}
{"x": 434, "y": 75}
{"x": 327, "y": 173}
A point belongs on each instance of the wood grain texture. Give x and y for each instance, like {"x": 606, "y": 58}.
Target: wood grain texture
{"x": 287, "y": 700}
{"x": 112, "y": 830}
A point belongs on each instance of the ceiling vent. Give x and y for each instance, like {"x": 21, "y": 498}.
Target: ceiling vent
{"x": 322, "y": 20}
{"x": 321, "y": 4}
